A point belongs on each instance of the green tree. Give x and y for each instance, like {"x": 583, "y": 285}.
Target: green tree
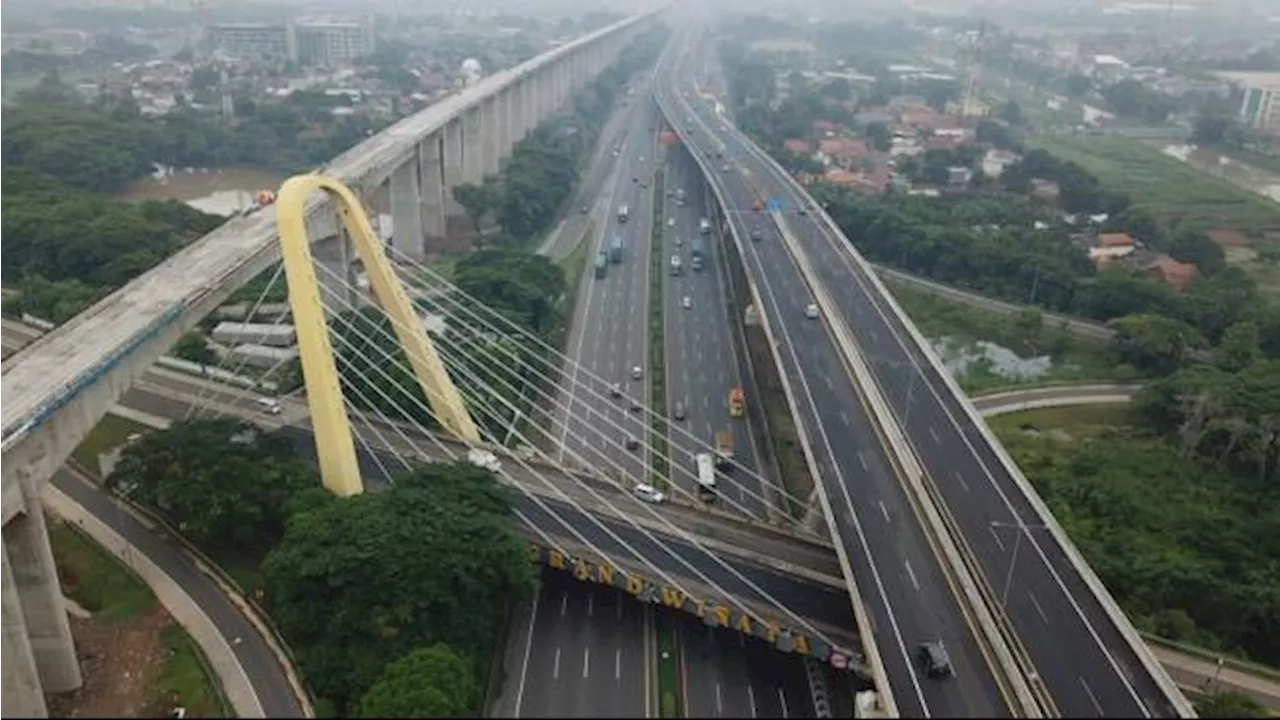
{"x": 226, "y": 484}
{"x": 1077, "y": 85}
{"x": 880, "y": 135}
{"x": 479, "y": 201}
{"x": 1011, "y": 112}
{"x": 1195, "y": 247}
{"x": 1156, "y": 343}
{"x": 433, "y": 559}
{"x": 1241, "y": 346}
{"x": 192, "y": 346}
{"x": 428, "y": 682}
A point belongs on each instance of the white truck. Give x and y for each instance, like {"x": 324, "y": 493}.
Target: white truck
{"x": 623, "y": 212}
{"x": 704, "y": 226}
{"x": 675, "y": 265}
{"x": 706, "y": 476}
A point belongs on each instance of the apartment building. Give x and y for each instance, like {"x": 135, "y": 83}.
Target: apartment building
{"x": 310, "y": 42}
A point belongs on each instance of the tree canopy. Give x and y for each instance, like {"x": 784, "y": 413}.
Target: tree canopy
{"x": 433, "y": 559}
{"x": 226, "y": 484}
{"x": 428, "y": 682}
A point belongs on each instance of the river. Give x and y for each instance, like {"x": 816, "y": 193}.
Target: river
{"x": 220, "y": 192}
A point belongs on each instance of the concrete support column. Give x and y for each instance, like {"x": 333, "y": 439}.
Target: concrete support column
{"x": 510, "y": 109}
{"x": 406, "y": 209}
{"x": 26, "y": 545}
{"x": 451, "y": 164}
{"x": 23, "y": 696}
{"x": 489, "y": 151}
{"x": 473, "y": 146}
{"x": 430, "y": 173}
{"x": 528, "y": 106}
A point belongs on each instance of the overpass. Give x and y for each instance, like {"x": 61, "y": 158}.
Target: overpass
{"x": 58, "y": 388}
{"x": 1035, "y": 631}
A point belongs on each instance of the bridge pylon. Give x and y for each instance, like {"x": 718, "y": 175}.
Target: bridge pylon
{"x": 335, "y": 446}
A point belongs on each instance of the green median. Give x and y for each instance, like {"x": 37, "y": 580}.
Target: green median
{"x": 657, "y": 343}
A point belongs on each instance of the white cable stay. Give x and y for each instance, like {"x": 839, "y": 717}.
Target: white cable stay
{"x": 674, "y": 529}
{"x": 447, "y": 290}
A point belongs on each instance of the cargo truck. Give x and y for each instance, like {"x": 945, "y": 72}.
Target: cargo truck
{"x": 615, "y": 250}
{"x": 680, "y": 197}
{"x": 724, "y": 450}
{"x": 706, "y": 477}
{"x": 623, "y": 212}
{"x": 698, "y": 253}
{"x": 737, "y": 402}
{"x": 675, "y": 264}
{"x": 602, "y": 264}
{"x": 704, "y": 226}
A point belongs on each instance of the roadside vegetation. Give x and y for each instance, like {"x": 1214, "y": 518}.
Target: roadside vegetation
{"x": 659, "y": 461}
{"x": 138, "y": 662}
{"x": 1028, "y": 334}
{"x": 243, "y": 496}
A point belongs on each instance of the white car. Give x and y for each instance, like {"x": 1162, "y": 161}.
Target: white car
{"x": 811, "y": 311}
{"x": 484, "y": 459}
{"x": 271, "y": 406}
{"x": 648, "y": 493}
{"x": 671, "y": 222}
{"x": 616, "y": 390}
{"x": 636, "y": 373}
{"x": 686, "y": 302}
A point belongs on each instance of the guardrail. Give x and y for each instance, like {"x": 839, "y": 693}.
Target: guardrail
{"x": 1108, "y": 604}
{"x": 254, "y": 612}
{"x": 865, "y": 628}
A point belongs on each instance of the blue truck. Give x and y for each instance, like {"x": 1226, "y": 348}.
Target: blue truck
{"x": 615, "y": 250}
{"x": 602, "y": 264}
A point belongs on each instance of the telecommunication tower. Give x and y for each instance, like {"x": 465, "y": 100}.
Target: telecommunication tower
{"x": 971, "y": 106}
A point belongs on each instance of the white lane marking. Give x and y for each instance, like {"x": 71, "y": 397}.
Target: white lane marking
{"x": 1039, "y": 609}
{"x": 960, "y": 479}
{"x": 884, "y": 511}
{"x": 844, "y": 418}
{"x": 564, "y": 603}
{"x": 911, "y": 574}
{"x": 617, "y": 664}
{"x": 827, "y": 380}
{"x": 528, "y": 646}
{"x": 995, "y": 535}
{"x": 934, "y": 434}
{"x": 782, "y": 698}
{"x": 591, "y": 605}
{"x": 751, "y": 697}
{"x": 555, "y": 668}
{"x": 862, "y": 461}
{"x": 719, "y": 702}
{"x": 1092, "y": 698}
{"x": 586, "y": 661}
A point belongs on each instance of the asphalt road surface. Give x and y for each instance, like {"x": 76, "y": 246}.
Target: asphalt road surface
{"x": 701, "y": 364}
{"x": 1088, "y": 667}
{"x": 900, "y": 577}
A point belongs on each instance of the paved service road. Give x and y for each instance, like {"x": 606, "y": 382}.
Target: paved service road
{"x": 267, "y": 676}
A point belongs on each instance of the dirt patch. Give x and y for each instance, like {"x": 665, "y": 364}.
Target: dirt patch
{"x": 121, "y": 663}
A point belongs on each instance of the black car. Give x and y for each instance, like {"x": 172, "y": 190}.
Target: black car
{"x": 935, "y": 660}
{"x": 755, "y": 235}
{"x": 632, "y": 443}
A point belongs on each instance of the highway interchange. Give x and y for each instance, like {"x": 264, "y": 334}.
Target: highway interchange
{"x": 578, "y": 637}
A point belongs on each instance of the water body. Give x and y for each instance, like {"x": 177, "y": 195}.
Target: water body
{"x": 224, "y": 192}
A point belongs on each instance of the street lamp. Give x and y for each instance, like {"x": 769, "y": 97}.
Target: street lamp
{"x": 1023, "y": 529}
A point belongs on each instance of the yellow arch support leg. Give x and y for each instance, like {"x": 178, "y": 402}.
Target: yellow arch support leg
{"x": 334, "y": 444}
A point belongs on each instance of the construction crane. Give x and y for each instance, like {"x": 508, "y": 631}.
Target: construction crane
{"x": 971, "y": 106}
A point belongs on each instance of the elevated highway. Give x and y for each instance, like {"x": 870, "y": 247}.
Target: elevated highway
{"x": 59, "y": 387}
{"x": 1078, "y": 653}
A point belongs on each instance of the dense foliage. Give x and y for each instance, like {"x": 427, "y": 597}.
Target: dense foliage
{"x": 430, "y": 682}
{"x": 226, "y": 484}
{"x": 992, "y": 246}
{"x": 360, "y": 580}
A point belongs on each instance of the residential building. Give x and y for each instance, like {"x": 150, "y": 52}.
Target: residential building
{"x": 1108, "y": 247}
{"x": 1177, "y": 275}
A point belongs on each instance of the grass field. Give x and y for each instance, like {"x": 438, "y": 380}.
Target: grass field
{"x": 1169, "y": 189}
{"x": 110, "y": 432}
{"x": 1061, "y": 418}
{"x": 122, "y": 628}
